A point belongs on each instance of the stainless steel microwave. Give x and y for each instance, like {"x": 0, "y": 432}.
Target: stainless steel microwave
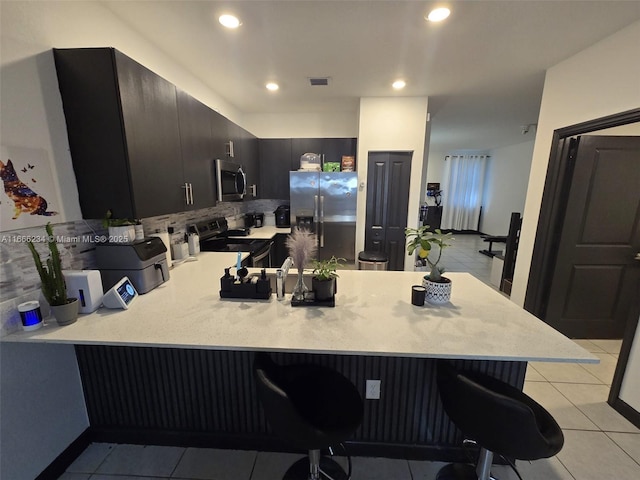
{"x": 232, "y": 181}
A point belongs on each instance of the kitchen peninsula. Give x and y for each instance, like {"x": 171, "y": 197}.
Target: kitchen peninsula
{"x": 176, "y": 365}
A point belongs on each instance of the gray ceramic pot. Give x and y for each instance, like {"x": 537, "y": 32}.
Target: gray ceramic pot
{"x": 66, "y": 314}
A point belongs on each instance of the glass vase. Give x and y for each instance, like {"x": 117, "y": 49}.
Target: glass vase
{"x": 300, "y": 290}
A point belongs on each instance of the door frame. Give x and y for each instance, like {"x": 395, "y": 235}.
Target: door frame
{"x": 553, "y": 206}
{"x": 552, "y": 209}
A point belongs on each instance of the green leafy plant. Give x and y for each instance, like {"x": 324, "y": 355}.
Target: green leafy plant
{"x": 53, "y": 285}
{"x": 422, "y": 241}
{"x": 326, "y": 269}
{"x": 109, "y": 221}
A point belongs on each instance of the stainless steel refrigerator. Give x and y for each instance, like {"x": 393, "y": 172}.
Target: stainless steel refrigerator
{"x": 325, "y": 203}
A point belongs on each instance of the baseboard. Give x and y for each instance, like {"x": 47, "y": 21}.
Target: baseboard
{"x": 246, "y": 442}
{"x": 67, "y": 457}
{"x": 273, "y": 444}
{"x": 627, "y": 411}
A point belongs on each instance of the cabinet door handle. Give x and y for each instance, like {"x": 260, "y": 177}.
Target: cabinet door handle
{"x": 191, "y": 193}
{"x": 186, "y": 192}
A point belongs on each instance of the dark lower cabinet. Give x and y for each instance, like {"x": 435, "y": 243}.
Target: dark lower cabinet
{"x": 279, "y": 251}
{"x": 207, "y": 398}
{"x": 122, "y": 123}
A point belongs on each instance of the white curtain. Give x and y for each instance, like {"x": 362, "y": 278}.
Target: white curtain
{"x": 462, "y": 197}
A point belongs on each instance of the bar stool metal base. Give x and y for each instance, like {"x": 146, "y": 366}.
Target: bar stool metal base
{"x": 300, "y": 470}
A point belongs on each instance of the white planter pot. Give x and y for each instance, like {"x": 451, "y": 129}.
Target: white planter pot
{"x": 122, "y": 234}
{"x": 437, "y": 292}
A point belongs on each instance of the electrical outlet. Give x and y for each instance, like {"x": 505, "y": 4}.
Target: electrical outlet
{"x": 373, "y": 390}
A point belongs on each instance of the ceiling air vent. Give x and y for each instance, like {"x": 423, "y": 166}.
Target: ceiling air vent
{"x": 319, "y": 81}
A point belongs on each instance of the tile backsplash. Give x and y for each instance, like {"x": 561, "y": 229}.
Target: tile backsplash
{"x": 19, "y": 281}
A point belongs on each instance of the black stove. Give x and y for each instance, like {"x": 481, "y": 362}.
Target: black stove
{"x": 215, "y": 236}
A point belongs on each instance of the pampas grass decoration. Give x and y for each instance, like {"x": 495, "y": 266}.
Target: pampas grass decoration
{"x": 302, "y": 245}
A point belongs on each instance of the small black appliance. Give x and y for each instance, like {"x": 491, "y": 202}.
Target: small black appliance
{"x": 283, "y": 216}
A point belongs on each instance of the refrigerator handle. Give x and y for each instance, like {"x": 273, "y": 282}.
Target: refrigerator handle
{"x": 321, "y": 221}
{"x": 315, "y": 214}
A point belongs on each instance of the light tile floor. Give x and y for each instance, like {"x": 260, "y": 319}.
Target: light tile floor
{"x": 599, "y": 442}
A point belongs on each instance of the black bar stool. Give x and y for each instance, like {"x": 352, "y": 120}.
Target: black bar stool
{"x": 499, "y": 417}
{"x": 310, "y": 406}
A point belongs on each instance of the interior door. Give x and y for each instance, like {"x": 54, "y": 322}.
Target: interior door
{"x": 388, "y": 179}
{"x": 596, "y": 274}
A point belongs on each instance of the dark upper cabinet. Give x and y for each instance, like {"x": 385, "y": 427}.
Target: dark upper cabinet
{"x": 122, "y": 123}
{"x": 245, "y": 152}
{"x": 196, "y": 142}
{"x": 279, "y": 156}
{"x": 334, "y": 149}
{"x": 300, "y": 146}
{"x": 275, "y": 164}
{"x": 331, "y": 149}
{"x": 220, "y": 134}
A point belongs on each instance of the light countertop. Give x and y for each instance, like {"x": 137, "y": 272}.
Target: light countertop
{"x": 373, "y": 316}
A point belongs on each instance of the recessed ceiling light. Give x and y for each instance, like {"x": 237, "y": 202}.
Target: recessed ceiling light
{"x": 272, "y": 86}
{"x": 229, "y": 21}
{"x": 399, "y": 84}
{"x": 438, "y": 14}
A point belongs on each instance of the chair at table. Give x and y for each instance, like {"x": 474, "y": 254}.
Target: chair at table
{"x": 310, "y": 406}
{"x": 501, "y": 419}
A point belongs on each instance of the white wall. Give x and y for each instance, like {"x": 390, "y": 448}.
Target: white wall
{"x": 392, "y": 124}
{"x": 630, "y": 388}
{"x": 302, "y": 125}
{"x": 505, "y": 186}
{"x": 41, "y": 407}
{"x": 599, "y": 81}
{"x": 435, "y": 168}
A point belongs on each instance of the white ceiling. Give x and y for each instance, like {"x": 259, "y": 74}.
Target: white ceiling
{"x": 482, "y": 69}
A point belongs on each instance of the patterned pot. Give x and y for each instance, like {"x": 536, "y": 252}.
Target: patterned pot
{"x": 437, "y": 292}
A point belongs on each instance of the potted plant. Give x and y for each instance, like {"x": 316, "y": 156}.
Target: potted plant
{"x": 54, "y": 288}
{"x": 324, "y": 277}
{"x": 422, "y": 241}
{"x": 121, "y": 230}
{"x": 302, "y": 244}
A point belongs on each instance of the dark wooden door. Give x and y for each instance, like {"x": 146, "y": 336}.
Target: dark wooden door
{"x": 596, "y": 274}
{"x": 197, "y": 150}
{"x": 388, "y": 179}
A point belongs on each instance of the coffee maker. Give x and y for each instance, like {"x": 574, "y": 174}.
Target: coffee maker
{"x": 283, "y": 216}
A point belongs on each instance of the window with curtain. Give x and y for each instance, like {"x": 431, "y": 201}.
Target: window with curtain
{"x": 464, "y": 184}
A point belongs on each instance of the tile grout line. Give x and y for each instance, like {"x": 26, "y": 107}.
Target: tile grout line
{"x": 620, "y": 446}
{"x": 184, "y": 452}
